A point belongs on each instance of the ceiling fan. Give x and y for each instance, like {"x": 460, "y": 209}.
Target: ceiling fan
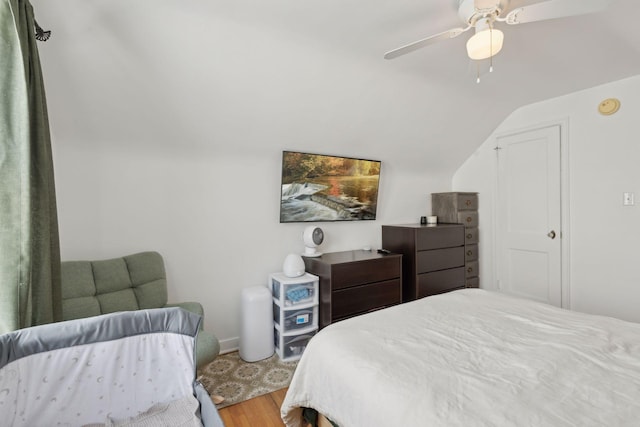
{"x": 483, "y": 14}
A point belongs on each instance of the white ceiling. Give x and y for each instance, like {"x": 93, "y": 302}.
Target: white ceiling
{"x": 300, "y": 73}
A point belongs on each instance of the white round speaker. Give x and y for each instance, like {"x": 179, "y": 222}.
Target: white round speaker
{"x": 312, "y": 237}
{"x": 293, "y": 266}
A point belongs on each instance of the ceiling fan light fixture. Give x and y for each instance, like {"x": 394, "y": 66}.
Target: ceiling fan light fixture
{"x": 485, "y": 43}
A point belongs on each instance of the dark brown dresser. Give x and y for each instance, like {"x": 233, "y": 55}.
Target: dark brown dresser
{"x": 433, "y": 257}
{"x": 355, "y": 282}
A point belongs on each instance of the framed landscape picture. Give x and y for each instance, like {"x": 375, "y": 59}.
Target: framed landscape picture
{"x": 317, "y": 187}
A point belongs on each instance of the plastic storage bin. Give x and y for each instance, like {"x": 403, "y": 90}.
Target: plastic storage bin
{"x": 294, "y": 291}
{"x": 288, "y": 320}
{"x": 291, "y": 346}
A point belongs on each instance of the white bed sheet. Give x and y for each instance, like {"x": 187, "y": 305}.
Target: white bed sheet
{"x": 471, "y": 358}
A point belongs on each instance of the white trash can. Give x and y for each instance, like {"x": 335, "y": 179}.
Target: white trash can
{"x": 256, "y": 330}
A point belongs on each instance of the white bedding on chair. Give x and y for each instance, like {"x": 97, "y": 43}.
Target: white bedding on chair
{"x": 471, "y": 358}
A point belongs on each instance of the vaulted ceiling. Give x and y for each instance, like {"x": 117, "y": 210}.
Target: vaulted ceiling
{"x": 310, "y": 74}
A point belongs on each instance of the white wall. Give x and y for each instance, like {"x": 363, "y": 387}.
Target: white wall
{"x": 604, "y": 156}
{"x": 168, "y": 126}
{"x": 212, "y": 211}
{"x": 214, "y": 218}
{"x": 213, "y": 215}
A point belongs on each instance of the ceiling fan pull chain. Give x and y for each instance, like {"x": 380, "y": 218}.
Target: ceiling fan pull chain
{"x": 478, "y": 72}
{"x": 491, "y": 46}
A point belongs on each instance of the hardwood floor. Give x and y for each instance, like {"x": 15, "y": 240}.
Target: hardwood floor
{"x": 263, "y": 411}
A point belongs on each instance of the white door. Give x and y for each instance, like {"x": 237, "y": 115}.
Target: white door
{"x": 529, "y": 238}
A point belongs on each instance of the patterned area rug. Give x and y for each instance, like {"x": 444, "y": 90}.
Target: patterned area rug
{"x": 236, "y": 380}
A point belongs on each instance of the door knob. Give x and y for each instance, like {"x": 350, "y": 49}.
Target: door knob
{"x": 551, "y": 234}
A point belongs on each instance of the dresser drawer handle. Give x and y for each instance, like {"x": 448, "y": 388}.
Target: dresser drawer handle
{"x": 467, "y": 202}
{"x": 469, "y": 253}
{"x": 469, "y": 270}
{"x": 469, "y": 236}
{"x": 469, "y": 219}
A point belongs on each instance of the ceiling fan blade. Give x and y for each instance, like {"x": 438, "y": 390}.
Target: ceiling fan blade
{"x": 449, "y": 34}
{"x": 552, "y": 9}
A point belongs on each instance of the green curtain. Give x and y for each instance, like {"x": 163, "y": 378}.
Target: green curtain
{"x": 29, "y": 244}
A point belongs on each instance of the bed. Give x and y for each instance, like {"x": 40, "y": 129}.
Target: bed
{"x": 131, "y": 368}
{"x": 470, "y": 358}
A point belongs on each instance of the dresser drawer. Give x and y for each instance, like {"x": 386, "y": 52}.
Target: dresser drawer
{"x": 440, "y": 237}
{"x": 472, "y": 282}
{"x": 438, "y": 282}
{"x": 468, "y": 218}
{"x": 467, "y": 201}
{"x": 439, "y": 259}
{"x": 360, "y": 299}
{"x": 447, "y": 205}
{"x": 471, "y": 269}
{"x": 471, "y": 252}
{"x": 470, "y": 236}
{"x": 354, "y": 274}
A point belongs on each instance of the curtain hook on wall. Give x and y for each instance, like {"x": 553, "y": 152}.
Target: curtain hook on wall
{"x": 41, "y": 35}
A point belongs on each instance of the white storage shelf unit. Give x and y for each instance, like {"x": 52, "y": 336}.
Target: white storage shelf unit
{"x": 295, "y": 313}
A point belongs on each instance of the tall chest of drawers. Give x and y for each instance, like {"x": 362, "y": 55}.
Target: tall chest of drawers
{"x": 462, "y": 208}
{"x": 433, "y": 257}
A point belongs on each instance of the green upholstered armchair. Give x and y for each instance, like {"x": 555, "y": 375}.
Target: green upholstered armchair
{"x": 133, "y": 282}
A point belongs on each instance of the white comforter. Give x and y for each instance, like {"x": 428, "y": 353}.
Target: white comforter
{"x": 471, "y": 358}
